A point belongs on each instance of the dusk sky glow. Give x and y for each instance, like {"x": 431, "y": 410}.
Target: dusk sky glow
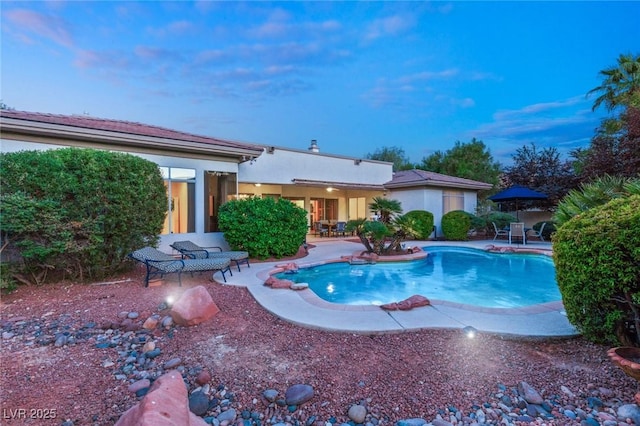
{"x": 355, "y": 76}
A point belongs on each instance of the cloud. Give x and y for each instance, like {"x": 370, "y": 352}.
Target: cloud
{"x": 49, "y": 27}
{"x": 565, "y": 124}
{"x": 390, "y": 26}
{"x": 172, "y": 29}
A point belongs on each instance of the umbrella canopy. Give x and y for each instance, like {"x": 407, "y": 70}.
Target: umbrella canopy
{"x": 517, "y": 193}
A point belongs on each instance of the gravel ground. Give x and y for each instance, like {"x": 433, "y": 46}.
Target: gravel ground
{"x": 424, "y": 374}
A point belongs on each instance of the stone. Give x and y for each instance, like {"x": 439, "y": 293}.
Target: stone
{"x": 411, "y": 422}
{"x": 270, "y": 395}
{"x": 357, "y": 413}
{"x": 274, "y": 282}
{"x": 629, "y": 411}
{"x": 164, "y": 405}
{"x": 227, "y": 416}
{"x": 529, "y": 393}
{"x": 172, "y": 363}
{"x": 198, "y": 403}
{"x": 140, "y": 384}
{"x": 150, "y": 323}
{"x": 414, "y": 301}
{"x": 203, "y": 377}
{"x": 298, "y": 394}
{"x": 299, "y": 286}
{"x": 194, "y": 307}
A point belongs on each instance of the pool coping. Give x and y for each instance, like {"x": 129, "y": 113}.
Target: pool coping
{"x": 305, "y": 308}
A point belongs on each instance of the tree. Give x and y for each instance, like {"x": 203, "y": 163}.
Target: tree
{"x": 393, "y": 155}
{"x": 595, "y": 194}
{"x": 470, "y": 160}
{"x": 615, "y": 149}
{"x": 620, "y": 86}
{"x": 542, "y": 171}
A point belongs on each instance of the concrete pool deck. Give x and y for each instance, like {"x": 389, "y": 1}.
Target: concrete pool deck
{"x": 304, "y": 308}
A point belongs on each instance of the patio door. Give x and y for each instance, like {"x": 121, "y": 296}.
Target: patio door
{"x": 357, "y": 208}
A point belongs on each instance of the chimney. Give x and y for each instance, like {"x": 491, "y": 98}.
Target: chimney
{"x": 314, "y": 146}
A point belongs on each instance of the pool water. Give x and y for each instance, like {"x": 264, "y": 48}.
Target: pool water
{"x": 469, "y": 276}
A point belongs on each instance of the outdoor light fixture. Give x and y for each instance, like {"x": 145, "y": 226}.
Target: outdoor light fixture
{"x": 169, "y": 300}
{"x": 257, "y": 184}
{"x": 470, "y": 332}
{"x": 329, "y": 189}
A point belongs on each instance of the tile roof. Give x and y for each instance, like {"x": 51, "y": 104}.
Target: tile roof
{"x": 420, "y": 178}
{"x": 122, "y": 127}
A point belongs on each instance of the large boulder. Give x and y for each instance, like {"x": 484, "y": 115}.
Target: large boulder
{"x": 165, "y": 404}
{"x": 193, "y": 307}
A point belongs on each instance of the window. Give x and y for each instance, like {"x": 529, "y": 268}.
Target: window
{"x": 452, "y": 200}
{"x": 181, "y": 185}
{"x": 219, "y": 188}
{"x": 323, "y": 209}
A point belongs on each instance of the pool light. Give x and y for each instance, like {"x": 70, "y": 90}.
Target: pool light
{"x": 470, "y": 332}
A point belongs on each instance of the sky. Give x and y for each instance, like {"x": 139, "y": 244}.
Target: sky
{"x": 355, "y": 76}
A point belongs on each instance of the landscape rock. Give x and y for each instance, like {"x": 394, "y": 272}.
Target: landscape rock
{"x": 414, "y": 301}
{"x": 194, "y": 307}
{"x": 529, "y": 393}
{"x": 298, "y": 394}
{"x": 357, "y": 413}
{"x": 164, "y": 405}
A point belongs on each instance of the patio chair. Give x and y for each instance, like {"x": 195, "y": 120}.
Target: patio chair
{"x": 517, "y": 231}
{"x": 503, "y": 232}
{"x": 538, "y": 233}
{"x": 341, "y": 229}
{"x": 161, "y": 264}
{"x": 191, "y": 250}
{"x": 320, "y": 229}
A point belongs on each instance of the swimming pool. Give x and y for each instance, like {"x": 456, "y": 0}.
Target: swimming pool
{"x": 462, "y": 275}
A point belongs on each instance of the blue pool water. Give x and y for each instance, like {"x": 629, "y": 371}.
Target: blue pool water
{"x": 469, "y": 276}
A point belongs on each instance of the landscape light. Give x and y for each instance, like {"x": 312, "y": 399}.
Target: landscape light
{"x": 470, "y": 332}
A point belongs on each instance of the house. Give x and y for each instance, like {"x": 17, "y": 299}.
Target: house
{"x": 434, "y": 192}
{"x": 201, "y": 172}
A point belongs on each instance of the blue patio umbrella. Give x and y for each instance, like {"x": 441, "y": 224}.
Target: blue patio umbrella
{"x": 517, "y": 193}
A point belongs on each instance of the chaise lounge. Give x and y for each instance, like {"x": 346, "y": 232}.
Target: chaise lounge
{"x": 160, "y": 264}
{"x": 191, "y": 250}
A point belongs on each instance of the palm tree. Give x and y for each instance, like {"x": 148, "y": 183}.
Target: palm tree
{"x": 386, "y": 208}
{"x": 594, "y": 194}
{"x": 620, "y": 85}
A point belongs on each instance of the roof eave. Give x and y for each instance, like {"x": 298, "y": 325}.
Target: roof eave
{"x": 28, "y": 127}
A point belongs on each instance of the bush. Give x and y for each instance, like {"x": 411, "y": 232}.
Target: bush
{"x": 502, "y": 220}
{"x": 418, "y": 224}
{"x": 77, "y": 213}
{"x": 597, "y": 258}
{"x": 549, "y": 229}
{"x": 263, "y": 226}
{"x": 456, "y": 225}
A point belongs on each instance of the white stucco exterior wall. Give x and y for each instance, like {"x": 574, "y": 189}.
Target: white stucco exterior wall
{"x": 284, "y": 165}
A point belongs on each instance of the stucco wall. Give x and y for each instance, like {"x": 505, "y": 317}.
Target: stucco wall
{"x": 282, "y": 166}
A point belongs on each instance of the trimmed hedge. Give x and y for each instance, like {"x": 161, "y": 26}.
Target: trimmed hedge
{"x": 456, "y": 225}
{"x": 418, "y": 224}
{"x": 597, "y": 258}
{"x": 77, "y": 213}
{"x": 263, "y": 226}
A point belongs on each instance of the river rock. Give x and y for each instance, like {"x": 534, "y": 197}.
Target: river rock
{"x": 357, "y": 413}
{"x": 298, "y": 394}
{"x": 529, "y": 393}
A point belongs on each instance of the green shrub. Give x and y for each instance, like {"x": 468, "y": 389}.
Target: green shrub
{"x": 418, "y": 224}
{"x": 263, "y": 226}
{"x": 549, "y": 229}
{"x": 76, "y": 213}
{"x": 502, "y": 220}
{"x": 597, "y": 258}
{"x": 456, "y": 225}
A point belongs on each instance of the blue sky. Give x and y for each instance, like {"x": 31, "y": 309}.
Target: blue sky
{"x": 355, "y": 76}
